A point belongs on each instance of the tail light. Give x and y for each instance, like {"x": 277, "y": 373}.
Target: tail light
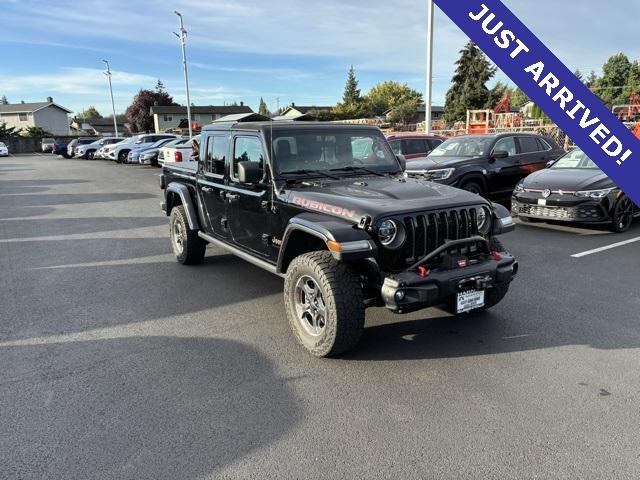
{"x": 177, "y": 156}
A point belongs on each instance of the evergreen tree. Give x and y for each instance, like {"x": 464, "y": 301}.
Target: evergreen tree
{"x": 4, "y": 101}
{"x": 615, "y": 74}
{"x": 579, "y": 75}
{"x": 160, "y": 87}
{"x": 262, "y": 109}
{"x": 351, "y": 94}
{"x": 469, "y": 90}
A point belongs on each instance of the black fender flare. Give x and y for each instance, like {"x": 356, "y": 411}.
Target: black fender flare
{"x": 326, "y": 228}
{"x": 185, "y": 197}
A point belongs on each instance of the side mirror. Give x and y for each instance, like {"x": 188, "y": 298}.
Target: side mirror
{"x": 402, "y": 161}
{"x": 502, "y": 221}
{"x": 499, "y": 154}
{"x": 250, "y": 172}
{"x": 550, "y": 163}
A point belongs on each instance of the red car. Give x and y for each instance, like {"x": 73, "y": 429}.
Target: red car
{"x": 413, "y": 145}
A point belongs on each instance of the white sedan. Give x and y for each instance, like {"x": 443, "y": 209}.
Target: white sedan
{"x": 4, "y": 150}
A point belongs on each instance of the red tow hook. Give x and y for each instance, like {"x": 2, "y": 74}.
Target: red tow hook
{"x": 422, "y": 272}
{"x": 496, "y": 256}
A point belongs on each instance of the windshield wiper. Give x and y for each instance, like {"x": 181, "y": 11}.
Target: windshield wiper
{"x": 352, "y": 168}
{"x": 312, "y": 173}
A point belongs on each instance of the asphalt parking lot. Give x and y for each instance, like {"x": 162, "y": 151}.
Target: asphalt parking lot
{"x": 117, "y": 362}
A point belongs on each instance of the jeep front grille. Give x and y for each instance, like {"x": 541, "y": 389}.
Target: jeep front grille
{"x": 426, "y": 231}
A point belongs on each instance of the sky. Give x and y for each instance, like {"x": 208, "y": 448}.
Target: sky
{"x": 282, "y": 50}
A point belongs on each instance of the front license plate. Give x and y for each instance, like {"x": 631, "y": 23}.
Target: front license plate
{"x": 542, "y": 202}
{"x": 470, "y": 300}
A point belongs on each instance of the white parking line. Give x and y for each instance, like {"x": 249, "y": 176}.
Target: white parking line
{"x": 607, "y": 247}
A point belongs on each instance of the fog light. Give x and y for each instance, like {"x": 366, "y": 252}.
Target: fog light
{"x": 399, "y": 295}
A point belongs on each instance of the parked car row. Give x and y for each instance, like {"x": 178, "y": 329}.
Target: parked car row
{"x": 146, "y": 149}
{"x": 542, "y": 181}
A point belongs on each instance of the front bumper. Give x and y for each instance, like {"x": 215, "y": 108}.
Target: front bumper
{"x": 409, "y": 291}
{"x": 565, "y": 208}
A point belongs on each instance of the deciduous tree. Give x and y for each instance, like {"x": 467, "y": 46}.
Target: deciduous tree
{"x": 615, "y": 73}
{"x": 387, "y": 95}
{"x": 138, "y": 113}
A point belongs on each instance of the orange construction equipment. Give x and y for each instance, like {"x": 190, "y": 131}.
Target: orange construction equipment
{"x": 504, "y": 105}
{"x": 629, "y": 112}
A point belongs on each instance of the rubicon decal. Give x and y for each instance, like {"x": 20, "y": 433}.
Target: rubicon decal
{"x": 324, "y": 207}
{"x": 552, "y": 86}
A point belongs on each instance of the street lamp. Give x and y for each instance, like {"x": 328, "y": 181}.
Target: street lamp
{"x": 113, "y": 105}
{"x": 183, "y": 41}
{"x": 428, "y": 94}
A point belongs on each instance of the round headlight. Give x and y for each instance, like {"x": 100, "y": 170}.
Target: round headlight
{"x": 484, "y": 220}
{"x": 387, "y": 232}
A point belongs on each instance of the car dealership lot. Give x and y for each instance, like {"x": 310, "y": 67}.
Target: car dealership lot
{"x": 117, "y": 362}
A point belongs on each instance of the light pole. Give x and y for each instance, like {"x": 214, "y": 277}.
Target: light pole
{"x": 428, "y": 94}
{"x": 113, "y": 105}
{"x": 183, "y": 41}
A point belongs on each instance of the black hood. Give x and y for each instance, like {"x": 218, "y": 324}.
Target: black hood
{"x": 570, "y": 179}
{"x": 433, "y": 163}
{"x": 355, "y": 197}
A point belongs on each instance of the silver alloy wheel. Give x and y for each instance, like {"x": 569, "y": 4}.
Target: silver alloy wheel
{"x": 178, "y": 237}
{"x": 624, "y": 214}
{"x": 311, "y": 310}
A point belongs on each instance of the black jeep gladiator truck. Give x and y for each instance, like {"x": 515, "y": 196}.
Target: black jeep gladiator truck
{"x": 329, "y": 208}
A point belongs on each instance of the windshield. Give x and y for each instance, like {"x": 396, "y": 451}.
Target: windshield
{"x": 2, "y": 144}
{"x": 463, "y": 147}
{"x": 575, "y": 159}
{"x": 318, "y": 150}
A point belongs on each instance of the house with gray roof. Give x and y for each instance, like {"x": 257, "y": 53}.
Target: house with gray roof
{"x": 49, "y": 116}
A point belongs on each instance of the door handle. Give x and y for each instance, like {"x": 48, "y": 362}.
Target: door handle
{"x": 231, "y": 196}
{"x": 207, "y": 189}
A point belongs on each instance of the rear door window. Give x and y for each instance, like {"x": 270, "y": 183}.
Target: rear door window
{"x": 528, "y": 144}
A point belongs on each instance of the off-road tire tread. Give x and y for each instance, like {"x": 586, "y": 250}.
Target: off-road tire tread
{"x": 342, "y": 294}
{"x": 194, "y": 248}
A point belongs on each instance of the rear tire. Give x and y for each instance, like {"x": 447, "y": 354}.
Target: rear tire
{"x": 324, "y": 303}
{"x": 187, "y": 246}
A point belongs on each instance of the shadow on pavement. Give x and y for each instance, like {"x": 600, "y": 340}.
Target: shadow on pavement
{"x": 142, "y": 407}
{"x": 80, "y": 285}
{"x": 28, "y": 200}
{"x": 44, "y": 227}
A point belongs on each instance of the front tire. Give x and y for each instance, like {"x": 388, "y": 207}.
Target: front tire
{"x": 473, "y": 186}
{"x": 494, "y": 295}
{"x": 187, "y": 246}
{"x": 324, "y": 303}
{"x": 622, "y": 215}
{"x": 122, "y": 156}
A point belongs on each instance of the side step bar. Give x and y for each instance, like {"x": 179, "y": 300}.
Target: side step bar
{"x": 243, "y": 255}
